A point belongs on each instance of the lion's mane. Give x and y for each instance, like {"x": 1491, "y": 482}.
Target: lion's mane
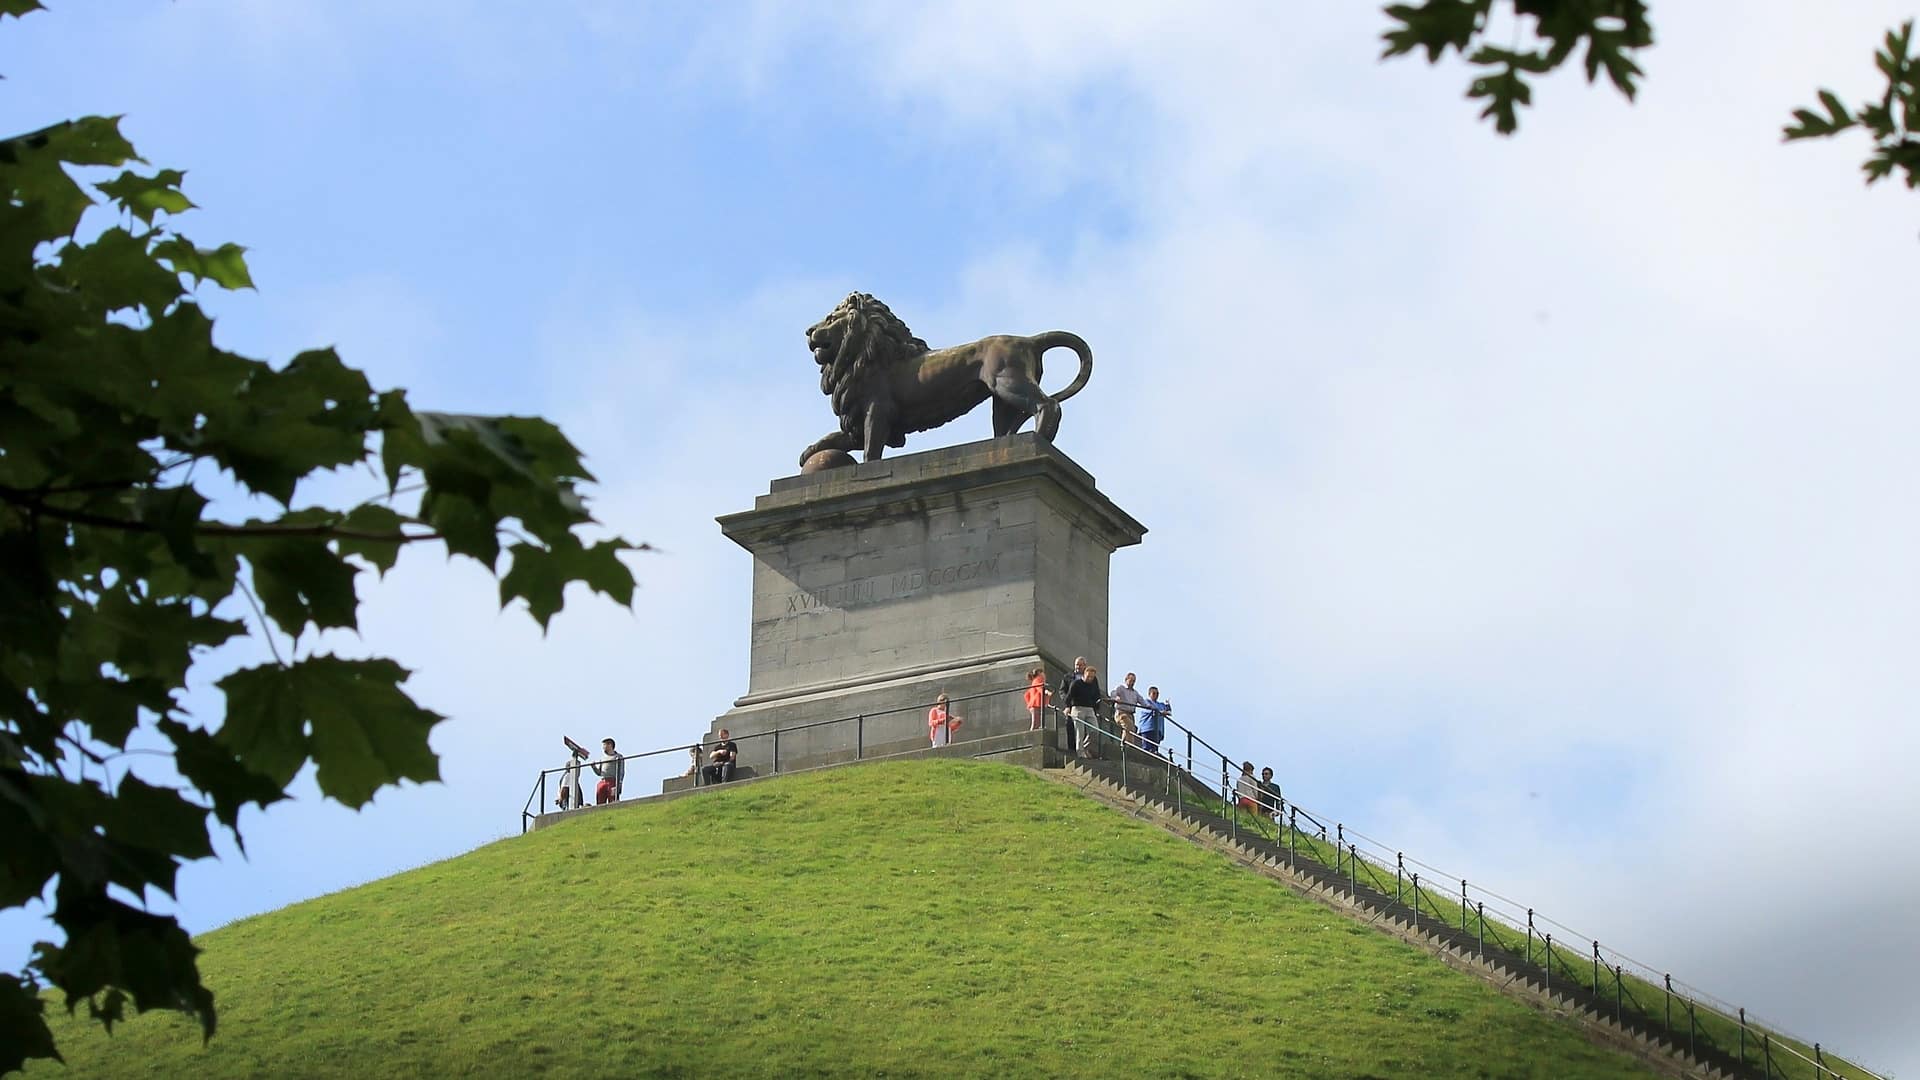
{"x": 858, "y": 341}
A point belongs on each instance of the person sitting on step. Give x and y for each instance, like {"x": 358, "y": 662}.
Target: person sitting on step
{"x": 721, "y": 758}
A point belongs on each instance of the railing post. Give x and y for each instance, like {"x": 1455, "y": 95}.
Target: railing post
{"x": 776, "y": 749}
{"x": 1596, "y": 969}
{"x": 1691, "y": 1028}
{"x": 1549, "y": 949}
{"x": 1819, "y": 1063}
{"x": 1529, "y": 935}
{"x": 1480, "y": 915}
{"x": 1416, "y": 903}
{"x": 1123, "y": 763}
{"x": 860, "y": 736}
{"x": 543, "y": 791}
{"x": 1353, "y": 865}
{"x": 1669, "y": 1002}
{"x": 1399, "y": 870}
{"x": 1743, "y": 1037}
{"x": 1618, "y": 996}
{"x": 1189, "y": 753}
{"x": 1766, "y": 1052}
{"x": 1293, "y": 838}
{"x": 1463, "y": 905}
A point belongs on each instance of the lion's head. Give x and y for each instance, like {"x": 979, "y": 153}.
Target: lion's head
{"x": 859, "y": 337}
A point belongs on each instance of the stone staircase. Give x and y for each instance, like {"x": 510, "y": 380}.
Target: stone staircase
{"x": 1143, "y": 791}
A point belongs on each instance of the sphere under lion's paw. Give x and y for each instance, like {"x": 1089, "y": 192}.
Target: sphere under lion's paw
{"x": 822, "y": 460}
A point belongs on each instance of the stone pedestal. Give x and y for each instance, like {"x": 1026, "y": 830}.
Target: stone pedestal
{"x": 878, "y": 586}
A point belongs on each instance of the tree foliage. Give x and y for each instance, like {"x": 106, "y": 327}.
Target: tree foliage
{"x": 123, "y": 429}
{"x": 1611, "y": 30}
{"x": 1607, "y": 34}
{"x": 1893, "y": 119}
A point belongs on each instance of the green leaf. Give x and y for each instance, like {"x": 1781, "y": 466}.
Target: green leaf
{"x": 540, "y": 576}
{"x": 115, "y": 273}
{"x": 300, "y": 580}
{"x": 367, "y": 733}
{"x": 1835, "y": 109}
{"x": 23, "y": 1024}
{"x": 145, "y": 196}
{"x": 29, "y": 859}
{"x": 225, "y": 265}
{"x": 217, "y": 771}
{"x": 266, "y": 724}
{"x": 158, "y": 819}
{"x": 1436, "y": 25}
{"x": 373, "y": 518}
{"x": 361, "y": 730}
{"x": 1810, "y": 125}
{"x": 464, "y": 525}
{"x": 90, "y": 140}
{"x": 111, "y": 944}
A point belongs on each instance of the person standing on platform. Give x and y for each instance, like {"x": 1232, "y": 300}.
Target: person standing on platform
{"x": 1037, "y": 696}
{"x": 1066, "y": 691}
{"x": 1153, "y": 720}
{"x": 612, "y": 773}
{"x": 941, "y": 722}
{"x": 572, "y": 797}
{"x": 1125, "y": 700}
{"x": 1083, "y": 704}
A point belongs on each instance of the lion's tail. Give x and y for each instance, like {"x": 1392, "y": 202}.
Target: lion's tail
{"x": 1061, "y": 339}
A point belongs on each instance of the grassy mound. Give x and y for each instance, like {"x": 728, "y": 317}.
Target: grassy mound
{"x": 915, "y": 918}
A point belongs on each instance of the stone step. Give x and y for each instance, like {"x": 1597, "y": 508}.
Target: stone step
{"x": 1366, "y": 905}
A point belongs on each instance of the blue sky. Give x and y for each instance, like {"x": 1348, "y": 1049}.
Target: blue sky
{"x": 1541, "y": 505}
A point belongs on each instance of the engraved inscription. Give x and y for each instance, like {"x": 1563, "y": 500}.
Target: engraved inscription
{"x": 890, "y": 586}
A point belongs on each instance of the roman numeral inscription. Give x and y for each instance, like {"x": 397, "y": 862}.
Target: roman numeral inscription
{"x": 890, "y": 586}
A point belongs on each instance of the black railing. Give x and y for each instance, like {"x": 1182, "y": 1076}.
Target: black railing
{"x": 860, "y": 751}
{"x": 1495, "y": 926}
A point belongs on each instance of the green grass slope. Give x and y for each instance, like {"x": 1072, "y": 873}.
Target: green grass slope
{"x": 909, "y": 919}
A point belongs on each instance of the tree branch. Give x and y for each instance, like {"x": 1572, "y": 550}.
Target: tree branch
{"x": 34, "y": 505}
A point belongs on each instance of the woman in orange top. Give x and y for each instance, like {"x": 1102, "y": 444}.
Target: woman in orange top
{"x": 1037, "y": 695}
{"x": 940, "y": 722}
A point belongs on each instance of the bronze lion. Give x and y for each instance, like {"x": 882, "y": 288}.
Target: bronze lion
{"x": 885, "y": 383}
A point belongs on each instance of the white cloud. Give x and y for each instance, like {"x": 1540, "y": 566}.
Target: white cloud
{"x": 1579, "y": 455}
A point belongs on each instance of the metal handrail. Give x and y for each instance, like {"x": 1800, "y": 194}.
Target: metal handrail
{"x": 1764, "y": 1043}
{"x": 538, "y": 795}
{"x": 1761, "y": 1045}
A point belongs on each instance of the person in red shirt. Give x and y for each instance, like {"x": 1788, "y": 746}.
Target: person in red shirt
{"x": 1037, "y": 695}
{"x": 941, "y": 722}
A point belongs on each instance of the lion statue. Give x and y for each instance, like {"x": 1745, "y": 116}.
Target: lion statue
{"x": 885, "y": 383}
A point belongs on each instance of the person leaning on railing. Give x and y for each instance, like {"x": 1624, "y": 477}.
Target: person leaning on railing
{"x": 940, "y": 722}
{"x": 1037, "y": 696}
{"x": 1246, "y": 790}
{"x": 1153, "y": 720}
{"x": 1270, "y": 798}
{"x": 1125, "y": 700}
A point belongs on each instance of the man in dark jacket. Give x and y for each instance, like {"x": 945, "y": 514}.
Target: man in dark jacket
{"x": 1083, "y": 704}
{"x": 1061, "y": 695}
